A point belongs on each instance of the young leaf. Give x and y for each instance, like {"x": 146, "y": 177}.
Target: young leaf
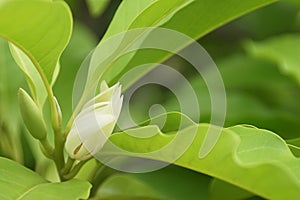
{"x": 19, "y": 182}
{"x": 34, "y": 80}
{"x": 154, "y": 15}
{"x": 123, "y": 19}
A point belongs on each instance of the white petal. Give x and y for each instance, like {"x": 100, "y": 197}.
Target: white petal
{"x": 75, "y": 148}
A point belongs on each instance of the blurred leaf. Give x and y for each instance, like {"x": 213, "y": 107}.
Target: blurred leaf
{"x": 283, "y": 50}
{"x": 271, "y": 20}
{"x": 189, "y": 184}
{"x": 20, "y": 183}
{"x": 124, "y": 186}
{"x": 10, "y": 120}
{"x": 260, "y": 95}
{"x": 42, "y": 37}
{"x": 295, "y": 2}
{"x": 245, "y": 154}
{"x": 223, "y": 190}
{"x": 158, "y": 185}
{"x": 96, "y": 7}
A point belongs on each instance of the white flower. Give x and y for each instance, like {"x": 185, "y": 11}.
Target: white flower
{"x": 95, "y": 123}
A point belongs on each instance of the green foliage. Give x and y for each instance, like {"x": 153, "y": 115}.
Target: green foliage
{"x": 51, "y": 36}
{"x": 21, "y": 183}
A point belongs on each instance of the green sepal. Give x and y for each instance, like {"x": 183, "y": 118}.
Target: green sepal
{"x": 32, "y": 116}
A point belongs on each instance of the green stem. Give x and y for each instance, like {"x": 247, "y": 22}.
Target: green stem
{"x": 75, "y": 170}
{"x": 94, "y": 171}
{"x": 102, "y": 174}
{"x": 68, "y": 166}
{"x": 47, "y": 149}
{"x": 59, "y": 152}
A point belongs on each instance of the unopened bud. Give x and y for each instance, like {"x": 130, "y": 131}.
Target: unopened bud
{"x": 59, "y": 113}
{"x": 32, "y": 116}
{"x": 94, "y": 123}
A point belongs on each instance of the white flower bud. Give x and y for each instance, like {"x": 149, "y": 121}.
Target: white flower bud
{"x": 95, "y": 123}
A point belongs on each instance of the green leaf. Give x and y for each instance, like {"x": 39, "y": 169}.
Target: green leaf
{"x": 202, "y": 17}
{"x": 32, "y": 76}
{"x": 73, "y": 189}
{"x": 123, "y": 19}
{"x": 242, "y": 156}
{"x": 282, "y": 50}
{"x": 40, "y": 35}
{"x": 19, "y": 182}
{"x": 96, "y": 7}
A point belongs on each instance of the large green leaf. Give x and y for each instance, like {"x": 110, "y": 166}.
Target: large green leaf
{"x": 123, "y": 19}
{"x": 202, "y": 17}
{"x": 243, "y": 156}
{"x": 20, "y": 183}
{"x": 40, "y": 35}
{"x": 283, "y": 50}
